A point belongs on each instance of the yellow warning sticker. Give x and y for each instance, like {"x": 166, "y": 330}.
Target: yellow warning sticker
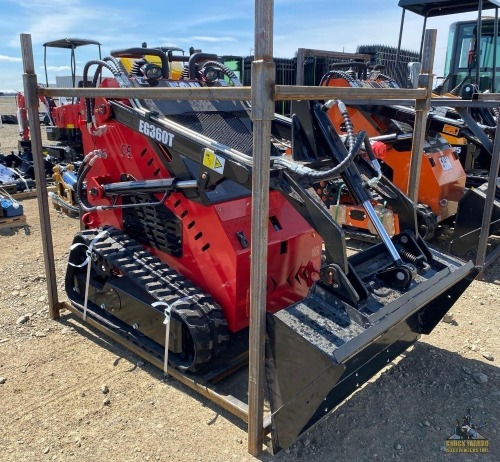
{"x": 450, "y": 130}
{"x": 213, "y": 161}
{"x": 209, "y": 158}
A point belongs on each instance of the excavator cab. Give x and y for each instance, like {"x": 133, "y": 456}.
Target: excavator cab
{"x": 68, "y": 44}
{"x": 61, "y": 120}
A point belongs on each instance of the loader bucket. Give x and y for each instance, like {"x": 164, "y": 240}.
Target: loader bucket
{"x": 321, "y": 349}
{"x": 469, "y": 218}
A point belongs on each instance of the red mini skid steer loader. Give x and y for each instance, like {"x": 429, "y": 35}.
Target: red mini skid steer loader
{"x": 164, "y": 195}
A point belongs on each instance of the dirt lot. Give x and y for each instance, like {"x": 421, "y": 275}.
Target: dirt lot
{"x": 52, "y": 404}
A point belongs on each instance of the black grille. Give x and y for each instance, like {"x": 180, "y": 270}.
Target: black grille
{"x": 155, "y": 226}
{"x": 224, "y": 127}
{"x": 386, "y": 56}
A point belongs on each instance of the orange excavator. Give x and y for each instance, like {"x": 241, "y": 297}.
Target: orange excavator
{"x": 443, "y": 178}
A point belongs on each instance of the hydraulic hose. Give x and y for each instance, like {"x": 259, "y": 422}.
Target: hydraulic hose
{"x": 97, "y": 62}
{"x": 346, "y": 162}
{"x": 84, "y": 169}
{"x": 185, "y": 72}
{"x": 137, "y": 53}
{"x": 167, "y": 186}
{"x": 496, "y": 112}
{"x": 351, "y": 138}
{"x": 89, "y": 102}
{"x": 232, "y": 76}
{"x": 455, "y": 91}
{"x": 116, "y": 63}
{"x": 194, "y": 59}
{"x": 62, "y": 203}
{"x": 369, "y": 149}
{"x": 388, "y": 79}
{"x": 322, "y": 175}
{"x": 325, "y": 80}
{"x": 347, "y": 120}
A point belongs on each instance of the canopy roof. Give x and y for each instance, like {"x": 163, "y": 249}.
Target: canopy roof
{"x": 429, "y": 8}
{"x": 70, "y": 43}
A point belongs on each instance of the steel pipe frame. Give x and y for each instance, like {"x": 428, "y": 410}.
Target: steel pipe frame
{"x": 477, "y": 51}
{"x": 481, "y": 258}
{"x": 228, "y": 402}
{"x": 281, "y": 92}
{"x": 494, "y": 64}
{"x": 261, "y": 97}
{"x": 263, "y": 82}
{"x": 401, "y": 26}
{"x": 233, "y": 405}
{"x": 303, "y": 53}
{"x": 421, "y": 111}
{"x": 478, "y": 131}
{"x": 30, "y": 85}
{"x": 493, "y": 100}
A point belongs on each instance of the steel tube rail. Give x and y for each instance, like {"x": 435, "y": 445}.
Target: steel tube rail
{"x": 490, "y": 259}
{"x": 421, "y": 111}
{"x": 489, "y": 201}
{"x": 333, "y": 54}
{"x": 493, "y": 87}
{"x": 228, "y": 402}
{"x": 477, "y": 51}
{"x": 263, "y": 80}
{"x": 288, "y": 92}
{"x": 422, "y": 40}
{"x": 398, "y": 51}
{"x": 473, "y": 126}
{"x": 282, "y": 92}
{"x": 301, "y": 54}
{"x": 200, "y": 93}
{"x": 490, "y": 100}
{"x": 30, "y": 93}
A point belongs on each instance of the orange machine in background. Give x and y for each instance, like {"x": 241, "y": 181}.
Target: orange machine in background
{"x": 442, "y": 178}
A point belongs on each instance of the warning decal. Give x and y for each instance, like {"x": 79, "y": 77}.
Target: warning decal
{"x": 213, "y": 161}
{"x": 450, "y": 130}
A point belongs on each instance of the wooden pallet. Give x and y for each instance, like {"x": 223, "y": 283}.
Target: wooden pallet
{"x": 9, "y": 188}
{"x": 30, "y": 194}
{"x": 13, "y": 222}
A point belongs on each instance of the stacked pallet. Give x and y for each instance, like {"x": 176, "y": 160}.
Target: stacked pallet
{"x": 13, "y": 222}
{"x": 11, "y": 211}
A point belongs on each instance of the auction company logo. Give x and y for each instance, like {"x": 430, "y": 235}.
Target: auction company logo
{"x": 466, "y": 438}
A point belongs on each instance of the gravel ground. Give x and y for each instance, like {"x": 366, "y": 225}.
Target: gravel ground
{"x": 68, "y": 393}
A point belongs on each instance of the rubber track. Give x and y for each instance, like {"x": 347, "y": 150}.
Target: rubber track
{"x": 199, "y": 312}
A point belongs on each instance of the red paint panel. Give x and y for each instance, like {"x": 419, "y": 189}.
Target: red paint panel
{"x": 213, "y": 256}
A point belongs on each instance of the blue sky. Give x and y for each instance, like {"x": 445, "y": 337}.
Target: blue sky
{"x": 220, "y": 26}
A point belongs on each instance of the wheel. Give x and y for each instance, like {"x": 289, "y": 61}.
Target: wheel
{"x": 426, "y": 222}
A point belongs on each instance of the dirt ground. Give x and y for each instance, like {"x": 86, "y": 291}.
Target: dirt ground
{"x": 52, "y": 374}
